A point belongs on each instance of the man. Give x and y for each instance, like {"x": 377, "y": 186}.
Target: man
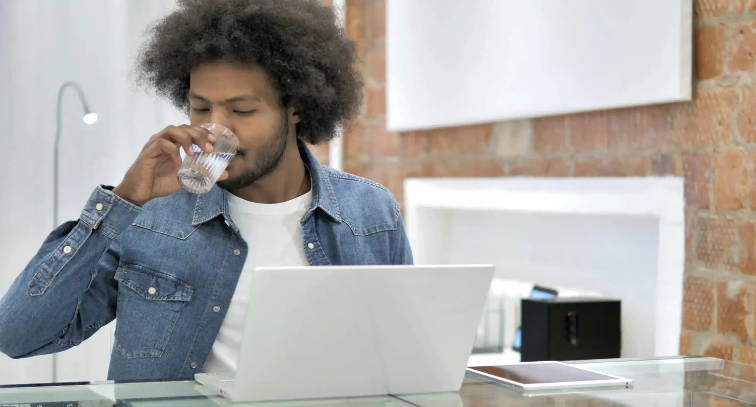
{"x": 173, "y": 267}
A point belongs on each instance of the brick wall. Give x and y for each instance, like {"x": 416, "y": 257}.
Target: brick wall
{"x": 710, "y": 141}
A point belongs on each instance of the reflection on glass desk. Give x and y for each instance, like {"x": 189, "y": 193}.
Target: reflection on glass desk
{"x": 679, "y": 381}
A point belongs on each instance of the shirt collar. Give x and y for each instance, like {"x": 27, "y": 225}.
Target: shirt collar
{"x": 214, "y": 203}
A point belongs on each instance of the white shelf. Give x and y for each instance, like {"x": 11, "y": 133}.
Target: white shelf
{"x": 493, "y": 359}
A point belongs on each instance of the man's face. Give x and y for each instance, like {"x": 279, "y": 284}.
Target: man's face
{"x": 242, "y": 99}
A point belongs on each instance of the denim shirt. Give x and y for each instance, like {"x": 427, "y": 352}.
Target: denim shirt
{"x": 167, "y": 271}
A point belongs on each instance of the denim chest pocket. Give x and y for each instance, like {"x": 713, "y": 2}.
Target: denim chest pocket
{"x": 149, "y": 304}
{"x": 178, "y": 231}
{"x": 366, "y": 228}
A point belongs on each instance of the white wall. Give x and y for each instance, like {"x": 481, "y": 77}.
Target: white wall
{"x": 452, "y": 62}
{"x": 42, "y": 44}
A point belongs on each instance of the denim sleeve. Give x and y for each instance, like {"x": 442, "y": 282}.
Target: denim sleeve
{"x": 401, "y": 252}
{"x": 66, "y": 292}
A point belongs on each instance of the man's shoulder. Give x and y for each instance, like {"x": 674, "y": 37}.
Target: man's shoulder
{"x": 177, "y": 200}
{"x": 174, "y": 209}
{"x": 350, "y": 187}
{"x": 366, "y": 206}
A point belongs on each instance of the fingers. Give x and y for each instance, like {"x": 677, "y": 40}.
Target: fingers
{"x": 168, "y": 148}
{"x": 186, "y": 135}
{"x": 223, "y": 176}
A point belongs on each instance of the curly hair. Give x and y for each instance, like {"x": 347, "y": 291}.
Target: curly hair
{"x": 298, "y": 43}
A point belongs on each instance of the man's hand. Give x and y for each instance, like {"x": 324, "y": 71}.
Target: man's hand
{"x": 154, "y": 173}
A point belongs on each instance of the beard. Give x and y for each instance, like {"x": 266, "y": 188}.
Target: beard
{"x": 266, "y": 160}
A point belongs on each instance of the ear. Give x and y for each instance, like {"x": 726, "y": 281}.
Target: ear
{"x": 293, "y": 116}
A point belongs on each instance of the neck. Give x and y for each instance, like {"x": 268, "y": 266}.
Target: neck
{"x": 286, "y": 182}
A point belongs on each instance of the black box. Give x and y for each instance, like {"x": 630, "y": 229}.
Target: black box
{"x": 570, "y": 329}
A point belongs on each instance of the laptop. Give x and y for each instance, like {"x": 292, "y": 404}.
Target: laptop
{"x": 350, "y": 331}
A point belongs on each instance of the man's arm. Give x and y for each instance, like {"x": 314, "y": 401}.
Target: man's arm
{"x": 401, "y": 251}
{"x": 67, "y": 291}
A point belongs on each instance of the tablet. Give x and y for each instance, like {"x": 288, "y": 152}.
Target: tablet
{"x": 548, "y": 375}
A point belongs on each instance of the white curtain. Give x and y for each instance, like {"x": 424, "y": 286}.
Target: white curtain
{"x": 44, "y": 43}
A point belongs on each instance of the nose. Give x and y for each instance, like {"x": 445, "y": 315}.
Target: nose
{"x": 220, "y": 116}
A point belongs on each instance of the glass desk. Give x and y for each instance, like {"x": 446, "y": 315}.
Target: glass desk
{"x": 663, "y": 382}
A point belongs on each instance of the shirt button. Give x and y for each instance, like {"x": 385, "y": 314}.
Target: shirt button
{"x": 193, "y": 365}
{"x": 151, "y": 291}
{"x": 67, "y": 249}
{"x": 237, "y": 252}
{"x": 216, "y": 308}
{"x": 311, "y": 245}
{"x": 99, "y": 206}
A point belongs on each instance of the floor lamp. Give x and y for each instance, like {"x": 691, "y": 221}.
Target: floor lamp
{"x": 89, "y": 118}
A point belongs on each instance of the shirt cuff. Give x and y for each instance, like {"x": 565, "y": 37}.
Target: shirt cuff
{"x": 109, "y": 211}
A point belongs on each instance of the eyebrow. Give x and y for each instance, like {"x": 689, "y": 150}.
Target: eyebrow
{"x": 240, "y": 98}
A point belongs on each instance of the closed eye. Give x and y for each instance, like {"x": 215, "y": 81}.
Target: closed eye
{"x": 244, "y": 112}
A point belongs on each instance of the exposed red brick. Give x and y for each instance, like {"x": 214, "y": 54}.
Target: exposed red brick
{"x": 706, "y": 121}
{"x": 733, "y": 310}
{"x": 376, "y": 101}
{"x": 664, "y": 164}
{"x": 413, "y": 144}
{"x": 697, "y": 170}
{"x": 589, "y": 132}
{"x": 591, "y": 168}
{"x": 389, "y": 175}
{"x": 747, "y": 118}
{"x": 460, "y": 140}
{"x": 556, "y": 167}
{"x": 377, "y": 19}
{"x": 512, "y": 138}
{"x": 747, "y": 355}
{"x": 384, "y": 142}
{"x": 356, "y": 24}
{"x": 748, "y": 372}
{"x": 719, "y": 350}
{"x": 463, "y": 168}
{"x": 377, "y": 65}
{"x": 717, "y": 245}
{"x": 698, "y": 303}
{"x": 709, "y": 50}
{"x": 748, "y": 247}
{"x": 412, "y": 169}
{"x": 686, "y": 337}
{"x": 616, "y": 167}
{"x": 356, "y": 141}
{"x": 549, "y": 134}
{"x": 357, "y": 167}
{"x": 712, "y": 8}
{"x": 629, "y": 166}
{"x": 744, "y": 44}
{"x": 690, "y": 221}
{"x": 752, "y": 174}
{"x": 713, "y": 400}
{"x": 641, "y": 127}
{"x": 730, "y": 187}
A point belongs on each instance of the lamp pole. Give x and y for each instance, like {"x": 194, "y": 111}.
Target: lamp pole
{"x": 88, "y": 118}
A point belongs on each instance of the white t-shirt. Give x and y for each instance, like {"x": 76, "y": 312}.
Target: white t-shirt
{"x": 274, "y": 238}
